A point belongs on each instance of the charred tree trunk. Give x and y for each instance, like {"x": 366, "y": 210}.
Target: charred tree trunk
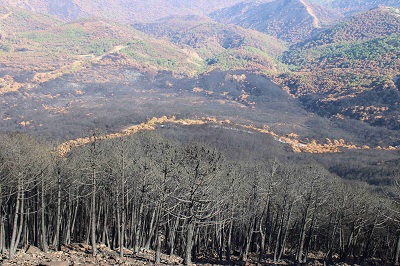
{"x": 189, "y": 243}
{"x": 229, "y": 242}
{"x": 93, "y": 212}
{"x": 285, "y": 233}
{"x": 56, "y": 240}
{"x": 248, "y": 239}
{"x": 152, "y": 228}
{"x": 138, "y": 227}
{"x": 42, "y": 216}
{"x": 122, "y": 212}
{"x": 279, "y": 234}
{"x": 397, "y": 251}
{"x": 17, "y": 216}
{"x": 158, "y": 245}
{"x": 172, "y": 236}
{"x": 2, "y": 230}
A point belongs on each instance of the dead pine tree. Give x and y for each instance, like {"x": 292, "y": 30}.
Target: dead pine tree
{"x": 198, "y": 182}
{"x": 42, "y": 213}
{"x": 122, "y": 186}
{"x": 165, "y": 163}
{"x": 56, "y": 240}
{"x": 94, "y": 161}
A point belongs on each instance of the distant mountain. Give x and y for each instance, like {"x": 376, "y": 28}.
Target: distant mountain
{"x": 36, "y": 48}
{"x": 378, "y": 22}
{"x": 349, "y": 70}
{"x": 16, "y": 19}
{"x": 350, "y": 7}
{"x": 123, "y": 11}
{"x": 223, "y": 46}
{"x": 289, "y": 20}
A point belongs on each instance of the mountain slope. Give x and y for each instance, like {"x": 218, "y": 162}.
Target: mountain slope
{"x": 378, "y": 22}
{"x": 59, "y": 65}
{"x": 350, "y": 7}
{"x": 349, "y": 70}
{"x": 35, "y": 50}
{"x": 124, "y": 11}
{"x": 289, "y": 20}
{"x": 19, "y": 20}
{"x": 223, "y": 46}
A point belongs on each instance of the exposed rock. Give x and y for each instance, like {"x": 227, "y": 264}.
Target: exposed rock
{"x": 54, "y": 263}
{"x": 85, "y": 246}
{"x": 318, "y": 263}
{"x": 33, "y": 250}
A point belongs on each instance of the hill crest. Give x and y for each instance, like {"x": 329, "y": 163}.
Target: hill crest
{"x": 122, "y": 11}
{"x": 378, "y": 22}
{"x": 289, "y": 20}
{"x": 222, "y": 46}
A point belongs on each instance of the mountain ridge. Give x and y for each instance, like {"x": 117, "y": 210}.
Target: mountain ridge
{"x": 348, "y": 70}
{"x": 336, "y": 70}
{"x": 276, "y": 18}
{"x": 250, "y": 49}
{"x": 377, "y": 22}
{"x": 351, "y": 7}
{"x": 123, "y": 11}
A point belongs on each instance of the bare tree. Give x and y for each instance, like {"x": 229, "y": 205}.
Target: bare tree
{"x": 198, "y": 182}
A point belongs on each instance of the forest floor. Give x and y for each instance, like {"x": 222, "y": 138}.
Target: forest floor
{"x": 80, "y": 254}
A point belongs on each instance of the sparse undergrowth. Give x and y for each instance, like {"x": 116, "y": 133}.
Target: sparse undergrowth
{"x": 80, "y": 255}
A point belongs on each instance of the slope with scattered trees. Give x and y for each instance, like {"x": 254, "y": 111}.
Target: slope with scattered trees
{"x": 144, "y": 191}
{"x": 349, "y": 70}
{"x": 123, "y": 11}
{"x": 221, "y": 46}
{"x": 277, "y": 18}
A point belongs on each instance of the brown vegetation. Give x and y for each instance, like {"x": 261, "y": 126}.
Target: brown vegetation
{"x": 349, "y": 69}
{"x": 313, "y": 146}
